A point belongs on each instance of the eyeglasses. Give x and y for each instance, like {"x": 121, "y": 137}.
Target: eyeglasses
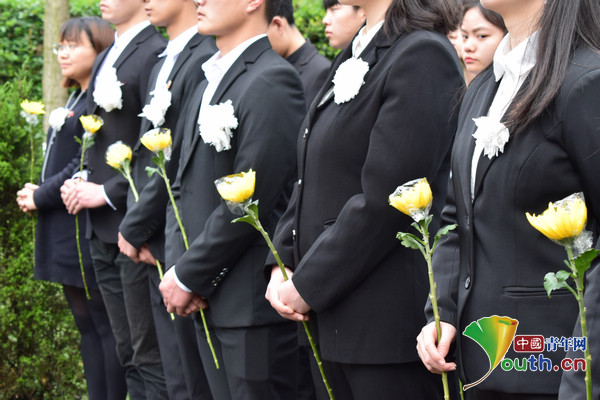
{"x": 60, "y": 48}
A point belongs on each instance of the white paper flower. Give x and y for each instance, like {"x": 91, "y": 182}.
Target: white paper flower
{"x": 491, "y": 135}
{"x": 348, "y": 79}
{"x": 159, "y": 104}
{"x": 107, "y": 93}
{"x": 216, "y": 124}
{"x": 58, "y": 117}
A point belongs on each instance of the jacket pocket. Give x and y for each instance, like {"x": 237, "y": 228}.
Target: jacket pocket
{"x": 532, "y": 291}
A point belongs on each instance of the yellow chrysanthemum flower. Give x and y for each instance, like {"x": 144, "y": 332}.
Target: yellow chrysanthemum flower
{"x": 563, "y": 220}
{"x": 237, "y": 188}
{"x": 117, "y": 153}
{"x": 157, "y": 139}
{"x": 91, "y": 123}
{"x": 33, "y": 107}
{"x": 413, "y": 198}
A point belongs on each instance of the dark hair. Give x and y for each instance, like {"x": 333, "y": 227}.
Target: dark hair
{"x": 564, "y": 26}
{"x": 491, "y": 16}
{"x": 285, "y": 9}
{"x": 99, "y": 32}
{"x": 271, "y": 7}
{"x": 330, "y": 3}
{"x": 433, "y": 15}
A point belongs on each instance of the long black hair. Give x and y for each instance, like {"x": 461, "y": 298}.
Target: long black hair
{"x": 405, "y": 16}
{"x": 564, "y": 26}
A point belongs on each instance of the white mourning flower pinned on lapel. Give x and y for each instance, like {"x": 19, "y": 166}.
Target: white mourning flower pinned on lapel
{"x": 159, "y": 104}
{"x": 57, "y": 118}
{"x": 491, "y": 135}
{"x": 216, "y": 124}
{"x": 348, "y": 79}
{"x": 107, "y": 93}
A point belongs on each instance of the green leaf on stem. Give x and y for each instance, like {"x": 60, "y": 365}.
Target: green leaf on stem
{"x": 554, "y": 281}
{"x": 584, "y": 260}
{"x": 411, "y": 241}
{"x": 442, "y": 232}
{"x": 151, "y": 171}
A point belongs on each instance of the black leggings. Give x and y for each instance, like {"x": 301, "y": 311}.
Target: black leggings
{"x": 103, "y": 373}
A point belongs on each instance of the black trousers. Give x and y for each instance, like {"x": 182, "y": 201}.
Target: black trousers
{"x": 256, "y": 363}
{"x": 408, "y": 381}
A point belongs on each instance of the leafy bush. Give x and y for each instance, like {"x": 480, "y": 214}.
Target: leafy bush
{"x": 39, "y": 344}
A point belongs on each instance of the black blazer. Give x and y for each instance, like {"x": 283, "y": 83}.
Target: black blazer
{"x": 495, "y": 263}
{"x": 56, "y": 258}
{"x": 339, "y": 232}
{"x": 225, "y": 260}
{"x": 312, "y": 67}
{"x": 133, "y": 70}
{"x": 144, "y": 221}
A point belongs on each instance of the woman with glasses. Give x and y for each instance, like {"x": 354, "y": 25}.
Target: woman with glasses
{"x": 56, "y": 258}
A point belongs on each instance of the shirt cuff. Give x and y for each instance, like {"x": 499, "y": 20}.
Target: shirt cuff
{"x": 179, "y": 283}
{"x": 107, "y": 199}
{"x": 83, "y": 174}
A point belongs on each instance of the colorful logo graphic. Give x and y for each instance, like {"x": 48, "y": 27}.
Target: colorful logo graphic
{"x": 495, "y": 335}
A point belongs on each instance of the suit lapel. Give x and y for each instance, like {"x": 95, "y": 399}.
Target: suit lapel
{"x": 193, "y": 133}
{"x": 480, "y": 106}
{"x": 91, "y": 106}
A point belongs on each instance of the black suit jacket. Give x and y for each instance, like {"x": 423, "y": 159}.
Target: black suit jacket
{"x": 225, "y": 260}
{"x": 312, "y": 67}
{"x": 56, "y": 257}
{"x": 144, "y": 221}
{"x": 495, "y": 262}
{"x": 339, "y": 232}
{"x": 133, "y": 70}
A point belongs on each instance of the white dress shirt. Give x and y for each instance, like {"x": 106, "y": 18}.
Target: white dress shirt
{"x": 364, "y": 37}
{"x": 171, "y": 52}
{"x": 511, "y": 67}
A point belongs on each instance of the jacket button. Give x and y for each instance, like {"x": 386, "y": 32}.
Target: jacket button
{"x": 468, "y": 282}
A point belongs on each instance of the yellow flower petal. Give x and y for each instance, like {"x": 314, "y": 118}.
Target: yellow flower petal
{"x": 413, "y": 198}
{"x": 117, "y": 153}
{"x": 91, "y": 123}
{"x": 157, "y": 139}
{"x": 33, "y": 107}
{"x": 562, "y": 220}
{"x": 237, "y": 188}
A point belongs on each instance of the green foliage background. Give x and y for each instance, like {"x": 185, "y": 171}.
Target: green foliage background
{"x": 39, "y": 343}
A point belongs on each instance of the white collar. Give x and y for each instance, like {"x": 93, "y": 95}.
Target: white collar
{"x": 216, "y": 66}
{"x": 364, "y": 37}
{"x": 518, "y": 61}
{"x": 176, "y": 45}
{"x": 121, "y": 41}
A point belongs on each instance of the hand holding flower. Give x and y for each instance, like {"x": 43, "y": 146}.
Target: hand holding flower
{"x": 433, "y": 352}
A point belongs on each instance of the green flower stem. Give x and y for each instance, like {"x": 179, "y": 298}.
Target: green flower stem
{"x": 433, "y": 296}
{"x": 579, "y": 284}
{"x": 127, "y": 174}
{"x": 265, "y": 235}
{"x": 160, "y": 276}
{"x": 77, "y": 238}
{"x": 163, "y": 173}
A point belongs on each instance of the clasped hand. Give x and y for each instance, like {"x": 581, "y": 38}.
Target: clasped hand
{"x": 178, "y": 300}
{"x": 78, "y": 194}
{"x": 284, "y": 297}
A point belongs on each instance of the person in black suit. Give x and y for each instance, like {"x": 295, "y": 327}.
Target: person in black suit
{"x": 362, "y": 290}
{"x": 543, "y": 88}
{"x": 258, "y": 96}
{"x": 141, "y": 233}
{"x": 289, "y": 43}
{"x": 56, "y": 258}
{"x": 117, "y": 90}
